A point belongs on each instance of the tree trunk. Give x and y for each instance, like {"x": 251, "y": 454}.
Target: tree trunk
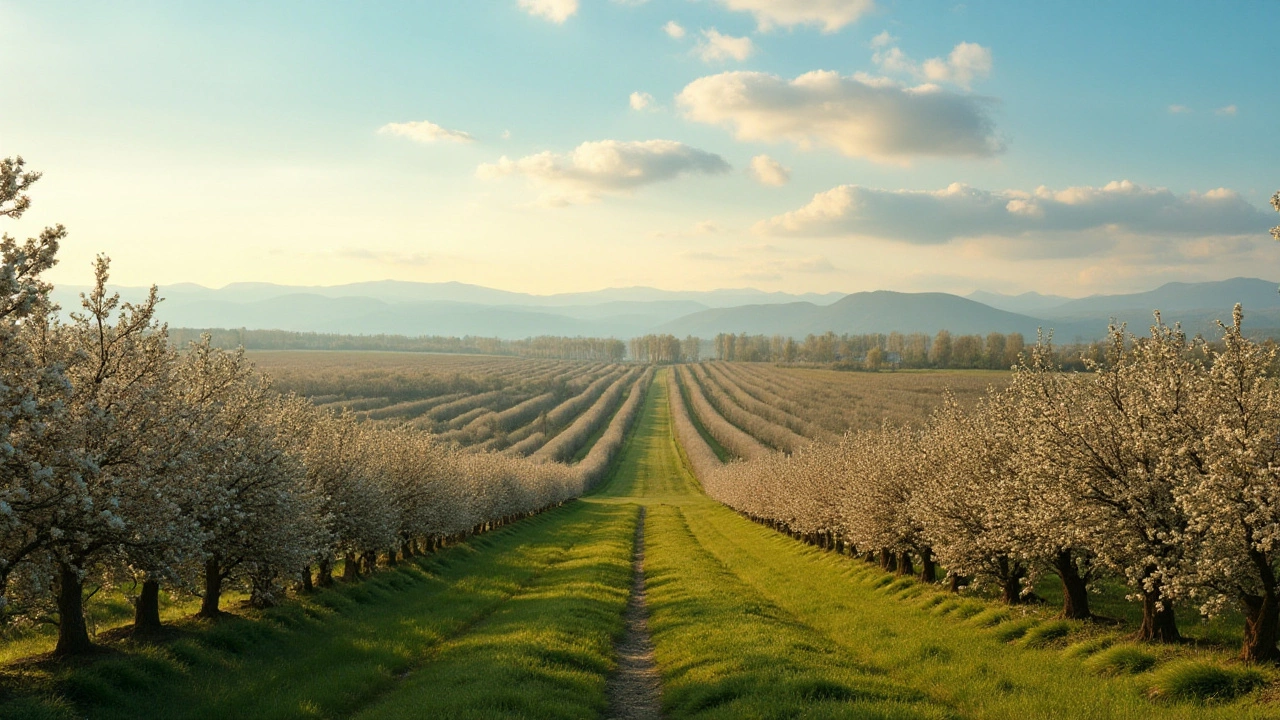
{"x": 928, "y": 568}
{"x": 888, "y": 562}
{"x": 146, "y": 614}
{"x": 1011, "y": 574}
{"x": 1158, "y": 625}
{"x": 1075, "y": 591}
{"x": 325, "y": 572}
{"x": 306, "y": 579}
{"x": 209, "y": 605}
{"x": 73, "y": 633}
{"x": 351, "y": 567}
{"x": 956, "y": 583}
{"x": 904, "y": 564}
{"x": 1261, "y": 627}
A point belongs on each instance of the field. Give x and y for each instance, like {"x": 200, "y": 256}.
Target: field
{"x": 738, "y": 619}
{"x": 496, "y": 403}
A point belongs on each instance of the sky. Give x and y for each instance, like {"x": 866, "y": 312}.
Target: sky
{"x": 569, "y": 145}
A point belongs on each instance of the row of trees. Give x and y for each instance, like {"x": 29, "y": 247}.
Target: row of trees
{"x": 122, "y": 459}
{"x": 996, "y": 351}
{"x": 663, "y": 349}
{"x": 543, "y": 346}
{"x": 1160, "y": 468}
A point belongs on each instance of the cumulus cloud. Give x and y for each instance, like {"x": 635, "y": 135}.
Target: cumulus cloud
{"x": 830, "y": 15}
{"x": 1228, "y": 110}
{"x": 605, "y": 167}
{"x": 860, "y": 116}
{"x": 960, "y": 211}
{"x": 716, "y": 47}
{"x": 769, "y": 171}
{"x": 966, "y": 63}
{"x": 557, "y": 11}
{"x": 673, "y": 29}
{"x": 1179, "y": 109}
{"x": 641, "y": 100}
{"x": 425, "y": 132}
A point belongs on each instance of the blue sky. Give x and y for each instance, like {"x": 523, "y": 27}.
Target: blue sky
{"x": 944, "y": 147}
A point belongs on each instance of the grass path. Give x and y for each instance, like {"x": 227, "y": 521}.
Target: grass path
{"x": 634, "y": 690}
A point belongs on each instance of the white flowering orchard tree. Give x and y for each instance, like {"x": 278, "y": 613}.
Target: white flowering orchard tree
{"x": 959, "y": 504}
{"x": 358, "y": 508}
{"x": 258, "y": 520}
{"x": 884, "y": 475}
{"x": 1037, "y": 511}
{"x": 123, "y": 497}
{"x": 1115, "y": 446}
{"x": 31, "y": 393}
{"x": 1232, "y": 501}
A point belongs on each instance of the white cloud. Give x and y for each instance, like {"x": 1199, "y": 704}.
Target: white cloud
{"x": 831, "y": 15}
{"x": 641, "y": 100}
{"x": 1179, "y": 109}
{"x": 959, "y": 211}
{"x": 860, "y": 116}
{"x": 966, "y": 63}
{"x": 884, "y": 39}
{"x": 1228, "y": 110}
{"x": 425, "y": 132}
{"x": 716, "y": 47}
{"x": 557, "y": 11}
{"x": 673, "y": 29}
{"x": 605, "y": 167}
{"x": 769, "y": 171}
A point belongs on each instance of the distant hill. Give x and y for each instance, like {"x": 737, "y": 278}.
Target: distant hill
{"x": 1177, "y": 297}
{"x": 457, "y": 309}
{"x": 1029, "y": 303}
{"x": 881, "y": 311}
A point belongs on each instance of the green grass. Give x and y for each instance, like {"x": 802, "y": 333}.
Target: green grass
{"x": 1201, "y": 681}
{"x": 545, "y": 653}
{"x": 725, "y": 651}
{"x": 341, "y": 650}
{"x": 1121, "y": 660}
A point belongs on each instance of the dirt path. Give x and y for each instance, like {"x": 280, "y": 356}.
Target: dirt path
{"x": 634, "y": 691}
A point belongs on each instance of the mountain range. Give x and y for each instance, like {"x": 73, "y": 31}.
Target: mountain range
{"x": 408, "y": 308}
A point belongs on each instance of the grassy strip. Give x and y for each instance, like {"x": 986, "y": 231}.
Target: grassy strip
{"x": 720, "y": 450}
{"x": 725, "y": 651}
{"x": 980, "y": 662}
{"x": 325, "y": 655}
{"x": 600, "y": 431}
{"x": 649, "y": 466}
{"x": 548, "y": 651}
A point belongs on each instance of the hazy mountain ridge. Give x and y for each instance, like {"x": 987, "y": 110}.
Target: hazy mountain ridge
{"x": 405, "y": 308}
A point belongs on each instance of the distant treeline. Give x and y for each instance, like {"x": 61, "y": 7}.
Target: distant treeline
{"x": 877, "y": 351}
{"x": 547, "y": 347}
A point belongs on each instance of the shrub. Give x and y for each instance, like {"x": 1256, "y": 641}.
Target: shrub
{"x": 990, "y": 618}
{"x": 1121, "y": 660}
{"x": 1041, "y": 635}
{"x": 1089, "y": 647}
{"x": 1014, "y": 630}
{"x": 1202, "y": 681}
